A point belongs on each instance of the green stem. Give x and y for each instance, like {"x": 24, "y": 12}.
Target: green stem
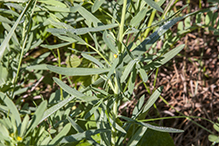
{"x": 186, "y": 116}
{"x": 115, "y": 113}
{"x": 24, "y": 35}
{"x": 98, "y": 52}
{"x": 121, "y": 47}
{"x": 149, "y": 23}
{"x": 175, "y": 117}
{"x": 121, "y": 26}
{"x": 155, "y": 78}
{"x": 60, "y": 76}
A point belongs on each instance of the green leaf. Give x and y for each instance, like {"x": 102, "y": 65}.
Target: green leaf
{"x": 110, "y": 42}
{"x": 74, "y": 92}
{"x": 213, "y": 138}
{"x": 152, "y": 99}
{"x": 5, "y": 20}
{"x": 4, "y": 131}
{"x": 139, "y": 17}
{"x": 55, "y": 108}
{"x": 75, "y": 125}
{"x": 76, "y": 71}
{"x": 113, "y": 67}
{"x": 55, "y": 9}
{"x": 60, "y": 135}
{"x": 137, "y": 136}
{"x": 116, "y": 126}
{"x": 38, "y": 115}
{"x": 12, "y": 108}
{"x": 6, "y": 11}
{"x": 138, "y": 107}
{"x": 143, "y": 74}
{"x": 73, "y": 61}
{"x": 87, "y": 15}
{"x": 131, "y": 82}
{"x": 127, "y": 70}
{"x": 56, "y": 3}
{"x": 81, "y": 31}
{"x": 156, "y": 138}
{"x": 79, "y": 136}
{"x": 157, "y": 128}
{"x": 154, "y": 5}
{"x": 94, "y": 60}
{"x": 37, "y": 67}
{"x": 164, "y": 59}
{"x": 161, "y": 129}
{"x": 150, "y": 40}
{"x": 96, "y": 5}
{"x": 3, "y": 75}
{"x": 24, "y": 126}
{"x": 8, "y": 37}
{"x": 56, "y": 46}
{"x": 216, "y": 127}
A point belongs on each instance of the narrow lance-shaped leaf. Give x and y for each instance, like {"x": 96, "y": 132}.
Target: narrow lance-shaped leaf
{"x": 96, "y": 5}
{"x": 138, "y": 18}
{"x": 81, "y": 31}
{"x": 24, "y": 126}
{"x": 110, "y": 42}
{"x": 119, "y": 128}
{"x": 56, "y": 46}
{"x": 138, "y": 107}
{"x": 137, "y": 136}
{"x": 74, "y": 92}
{"x": 76, "y": 71}
{"x": 8, "y": 37}
{"x": 156, "y": 128}
{"x": 54, "y": 3}
{"x": 87, "y": 15}
{"x": 165, "y": 58}
{"x": 38, "y": 115}
{"x": 161, "y": 129}
{"x": 152, "y": 99}
{"x": 150, "y": 40}
{"x": 83, "y": 135}
{"x": 143, "y": 74}
{"x": 75, "y": 125}
{"x": 11, "y": 106}
{"x": 61, "y": 134}
{"x": 94, "y": 60}
{"x": 128, "y": 69}
{"x": 154, "y": 5}
{"x": 55, "y": 108}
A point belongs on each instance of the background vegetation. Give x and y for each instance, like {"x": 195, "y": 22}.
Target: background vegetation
{"x": 137, "y": 72}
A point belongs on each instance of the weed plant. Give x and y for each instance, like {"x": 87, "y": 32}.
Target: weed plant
{"x": 106, "y": 45}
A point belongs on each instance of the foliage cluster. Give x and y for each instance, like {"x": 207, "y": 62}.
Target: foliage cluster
{"x": 106, "y": 45}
